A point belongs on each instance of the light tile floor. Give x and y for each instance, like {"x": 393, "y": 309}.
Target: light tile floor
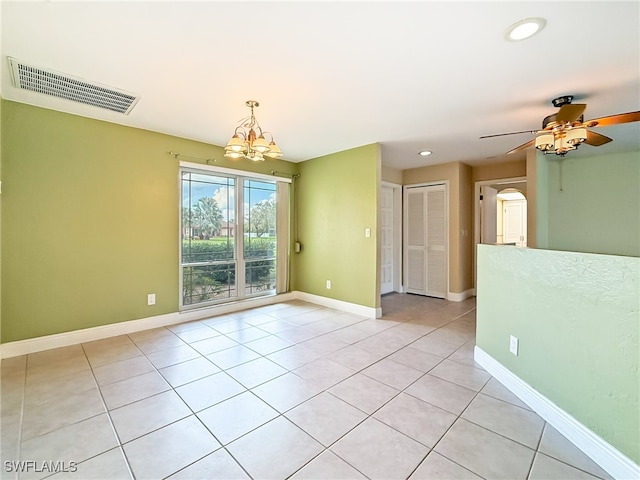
{"x": 288, "y": 390}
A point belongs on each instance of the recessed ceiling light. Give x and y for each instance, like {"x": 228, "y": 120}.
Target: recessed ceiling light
{"x": 424, "y": 153}
{"x": 524, "y": 29}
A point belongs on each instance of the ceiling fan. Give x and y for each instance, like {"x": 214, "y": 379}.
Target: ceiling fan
{"x": 566, "y": 129}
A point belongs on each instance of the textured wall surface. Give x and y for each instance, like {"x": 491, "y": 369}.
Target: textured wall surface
{"x": 594, "y": 204}
{"x": 577, "y": 317}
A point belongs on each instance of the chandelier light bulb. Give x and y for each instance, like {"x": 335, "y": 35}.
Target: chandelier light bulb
{"x": 236, "y": 144}
{"x": 260, "y": 144}
{"x": 274, "y": 151}
{"x": 576, "y": 136}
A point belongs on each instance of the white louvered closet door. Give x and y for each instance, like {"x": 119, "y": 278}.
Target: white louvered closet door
{"x": 436, "y": 242}
{"x": 426, "y": 233}
{"x": 416, "y": 252}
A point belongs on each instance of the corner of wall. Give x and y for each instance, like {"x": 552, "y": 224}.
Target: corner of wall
{"x": 337, "y": 202}
{"x": 1, "y": 123}
{"x": 377, "y": 230}
{"x": 532, "y": 198}
{"x": 538, "y": 217}
{"x": 466, "y": 228}
{"x": 391, "y": 175}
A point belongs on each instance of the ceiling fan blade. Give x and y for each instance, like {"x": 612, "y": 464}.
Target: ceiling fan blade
{"x": 614, "y": 119}
{"x": 510, "y": 133}
{"x": 595, "y": 139}
{"x": 524, "y": 146}
{"x": 570, "y": 113}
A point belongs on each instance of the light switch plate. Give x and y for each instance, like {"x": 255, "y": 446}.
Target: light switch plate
{"x": 513, "y": 345}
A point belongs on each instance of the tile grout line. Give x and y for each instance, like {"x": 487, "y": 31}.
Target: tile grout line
{"x": 22, "y": 409}
{"x": 280, "y": 414}
{"x": 173, "y": 389}
{"x": 108, "y": 412}
{"x": 324, "y": 390}
{"x": 448, "y": 357}
{"x": 371, "y": 415}
{"x": 195, "y": 414}
{"x": 263, "y": 356}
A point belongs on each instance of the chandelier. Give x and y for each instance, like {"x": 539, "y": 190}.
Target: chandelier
{"x": 248, "y": 140}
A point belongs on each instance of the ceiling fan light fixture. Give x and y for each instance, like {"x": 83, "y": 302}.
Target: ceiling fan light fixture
{"x": 545, "y": 142}
{"x": 524, "y": 29}
{"x": 561, "y": 146}
{"x": 576, "y": 136}
{"x": 566, "y": 129}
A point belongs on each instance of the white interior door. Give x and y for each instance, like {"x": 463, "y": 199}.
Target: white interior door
{"x": 387, "y": 241}
{"x": 426, "y": 250}
{"x": 515, "y": 222}
{"x": 488, "y": 214}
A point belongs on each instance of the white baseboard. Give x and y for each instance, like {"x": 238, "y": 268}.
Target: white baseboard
{"x": 459, "y": 297}
{"x": 604, "y": 454}
{"x": 348, "y": 307}
{"x": 47, "y": 342}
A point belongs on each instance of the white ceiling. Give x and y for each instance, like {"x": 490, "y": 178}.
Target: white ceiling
{"x": 335, "y": 75}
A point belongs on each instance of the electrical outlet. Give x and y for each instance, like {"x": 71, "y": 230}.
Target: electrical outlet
{"x": 328, "y": 284}
{"x": 151, "y": 299}
{"x": 513, "y": 345}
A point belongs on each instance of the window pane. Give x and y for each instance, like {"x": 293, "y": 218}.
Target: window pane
{"x": 208, "y": 282}
{"x": 211, "y": 272}
{"x": 259, "y": 219}
{"x": 208, "y": 218}
{"x": 260, "y": 276}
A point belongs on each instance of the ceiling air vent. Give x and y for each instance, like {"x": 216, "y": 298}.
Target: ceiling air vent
{"x": 65, "y": 86}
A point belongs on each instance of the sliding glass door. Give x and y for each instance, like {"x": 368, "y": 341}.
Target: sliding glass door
{"x": 229, "y": 237}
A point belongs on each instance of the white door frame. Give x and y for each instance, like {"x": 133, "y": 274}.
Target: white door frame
{"x": 476, "y": 213}
{"x": 397, "y": 235}
{"x": 446, "y": 229}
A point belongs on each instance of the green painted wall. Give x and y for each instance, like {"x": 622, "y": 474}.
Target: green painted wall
{"x": 89, "y": 220}
{"x": 598, "y": 208}
{"x": 337, "y": 200}
{"x": 577, "y": 317}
